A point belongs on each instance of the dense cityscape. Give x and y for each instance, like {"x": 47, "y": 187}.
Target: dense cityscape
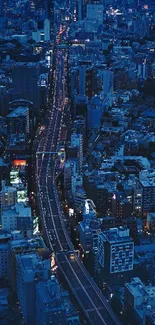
{"x": 77, "y": 162}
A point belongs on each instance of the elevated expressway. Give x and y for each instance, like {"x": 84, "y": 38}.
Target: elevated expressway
{"x": 93, "y": 304}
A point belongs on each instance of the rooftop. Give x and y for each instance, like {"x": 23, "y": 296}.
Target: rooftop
{"x": 19, "y": 111}
{"x": 116, "y": 235}
{"x": 4, "y": 234}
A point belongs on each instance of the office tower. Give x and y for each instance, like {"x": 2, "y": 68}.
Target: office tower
{"x": 150, "y": 223}
{"x": 74, "y": 73}
{"x": 79, "y": 9}
{"x": 42, "y": 34}
{"x": 86, "y": 231}
{"x": 1, "y": 7}
{"x": 69, "y": 172}
{"x": 85, "y": 78}
{"x": 107, "y": 85}
{"x": 77, "y": 142}
{"x": 27, "y": 83}
{"x": 5, "y": 97}
{"x": 144, "y": 194}
{"x": 4, "y": 254}
{"x": 140, "y": 25}
{"x": 18, "y": 121}
{"x": 90, "y": 2}
{"x": 77, "y": 180}
{"x": 47, "y": 30}
{"x": 80, "y": 105}
{"x": 115, "y": 252}
{"x": 14, "y": 104}
{"x": 30, "y": 270}
{"x": 89, "y": 237}
{"x": 79, "y": 198}
{"x": 50, "y": 11}
{"x": 79, "y": 126}
{"x": 107, "y": 77}
{"x": 103, "y": 199}
{"x": 8, "y": 196}
{"x": 121, "y": 206}
{"x": 19, "y": 245}
{"x": 82, "y": 80}
{"x": 142, "y": 69}
{"x": 95, "y": 110}
{"x": 95, "y": 11}
{"x": 139, "y": 301}
{"x": 50, "y": 307}
{"x": 18, "y": 218}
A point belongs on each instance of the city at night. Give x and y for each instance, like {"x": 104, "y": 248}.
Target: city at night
{"x": 77, "y": 162}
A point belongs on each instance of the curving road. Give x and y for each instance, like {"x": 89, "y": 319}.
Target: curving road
{"x": 89, "y": 297}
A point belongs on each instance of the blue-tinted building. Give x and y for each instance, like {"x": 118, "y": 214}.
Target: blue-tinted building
{"x": 29, "y": 270}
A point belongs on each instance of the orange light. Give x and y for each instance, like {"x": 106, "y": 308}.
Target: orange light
{"x": 19, "y": 162}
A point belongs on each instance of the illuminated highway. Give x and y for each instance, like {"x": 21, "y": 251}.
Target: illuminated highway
{"x": 93, "y": 304}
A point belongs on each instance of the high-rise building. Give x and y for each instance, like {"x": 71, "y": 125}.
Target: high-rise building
{"x": 79, "y": 198}
{"x": 50, "y": 10}
{"x": 95, "y": 110}
{"x": 69, "y": 171}
{"x": 30, "y": 269}
{"x": 90, "y": 2}
{"x": 95, "y": 11}
{"x": 18, "y": 121}
{"x": 140, "y": 25}
{"x": 150, "y": 223}
{"x": 50, "y": 307}
{"x": 4, "y": 254}
{"x": 139, "y": 301}
{"x": 8, "y": 196}
{"x": 77, "y": 180}
{"x": 13, "y": 105}
{"x": 18, "y": 217}
{"x": 107, "y": 78}
{"x": 144, "y": 195}
{"x": 80, "y": 105}
{"x": 27, "y": 83}
{"x": 85, "y": 78}
{"x": 77, "y": 142}
{"x": 79, "y": 126}
{"x": 115, "y": 251}
{"x": 19, "y": 245}
{"x": 1, "y": 7}
{"x": 42, "y": 34}
{"x": 87, "y": 234}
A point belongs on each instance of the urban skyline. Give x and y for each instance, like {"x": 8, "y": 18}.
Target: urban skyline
{"x": 77, "y": 164}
